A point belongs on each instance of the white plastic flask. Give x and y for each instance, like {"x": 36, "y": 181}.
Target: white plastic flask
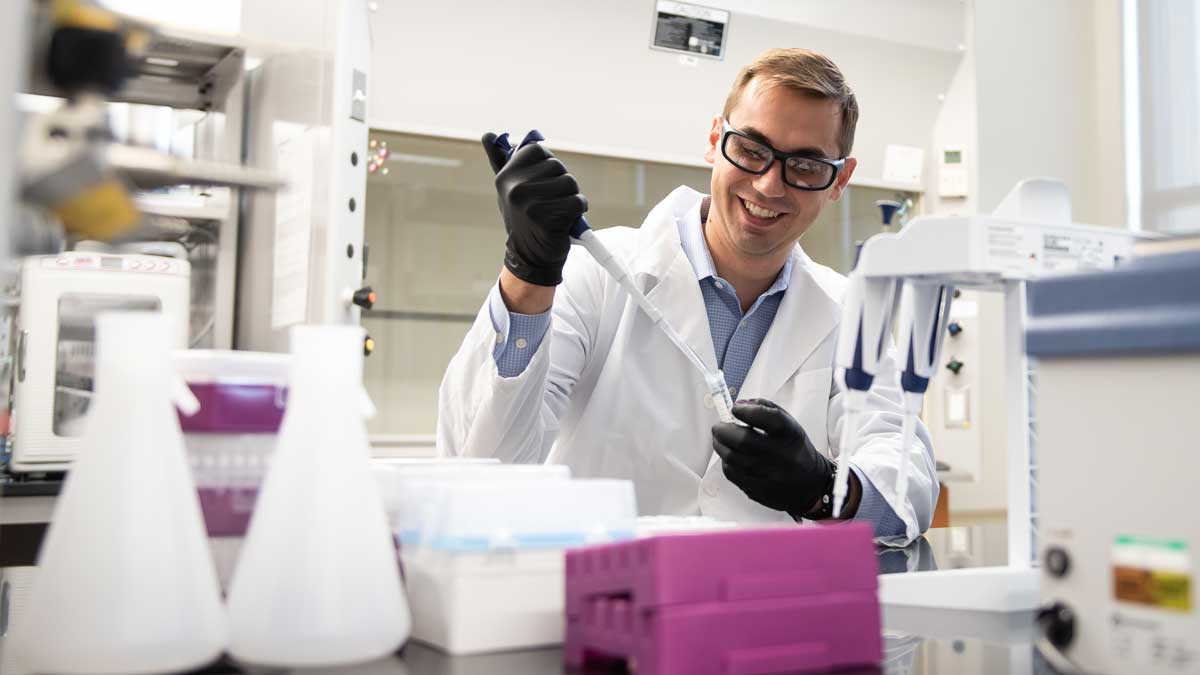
{"x": 317, "y": 582}
{"x": 125, "y": 580}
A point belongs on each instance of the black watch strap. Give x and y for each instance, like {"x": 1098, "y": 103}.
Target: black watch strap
{"x": 825, "y": 511}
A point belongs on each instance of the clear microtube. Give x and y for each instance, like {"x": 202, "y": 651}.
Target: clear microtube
{"x": 719, "y": 392}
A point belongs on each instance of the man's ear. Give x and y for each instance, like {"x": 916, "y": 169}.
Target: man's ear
{"x": 839, "y": 185}
{"x": 714, "y": 139}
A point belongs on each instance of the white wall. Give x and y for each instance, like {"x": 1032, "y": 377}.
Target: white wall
{"x": 955, "y": 125}
{"x": 215, "y": 16}
{"x": 936, "y": 24}
{"x": 584, "y": 74}
{"x": 1048, "y": 86}
{"x": 1109, "y": 160}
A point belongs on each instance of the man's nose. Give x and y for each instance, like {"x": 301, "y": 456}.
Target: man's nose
{"x": 770, "y": 184}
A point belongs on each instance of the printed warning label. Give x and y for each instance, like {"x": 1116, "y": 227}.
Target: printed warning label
{"x": 1152, "y": 572}
{"x": 1166, "y": 590}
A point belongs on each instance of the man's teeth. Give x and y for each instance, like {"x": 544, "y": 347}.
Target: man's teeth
{"x": 758, "y": 211}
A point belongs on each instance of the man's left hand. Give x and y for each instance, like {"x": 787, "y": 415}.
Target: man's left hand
{"x": 772, "y": 460}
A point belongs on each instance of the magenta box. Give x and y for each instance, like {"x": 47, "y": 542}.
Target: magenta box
{"x": 731, "y": 602}
{"x": 227, "y": 408}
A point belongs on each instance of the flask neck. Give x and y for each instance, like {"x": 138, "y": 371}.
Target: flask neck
{"x": 326, "y": 360}
{"x": 132, "y": 354}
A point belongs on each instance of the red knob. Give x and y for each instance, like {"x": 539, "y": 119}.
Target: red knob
{"x": 364, "y": 297}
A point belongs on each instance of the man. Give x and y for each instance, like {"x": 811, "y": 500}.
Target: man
{"x": 562, "y": 366}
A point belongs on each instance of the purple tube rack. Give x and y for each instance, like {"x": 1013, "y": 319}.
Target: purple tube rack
{"x": 732, "y": 602}
{"x": 227, "y": 408}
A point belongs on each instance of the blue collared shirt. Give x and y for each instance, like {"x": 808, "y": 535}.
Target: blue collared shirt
{"x": 736, "y": 337}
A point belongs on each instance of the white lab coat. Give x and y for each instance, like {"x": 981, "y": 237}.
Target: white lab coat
{"x": 608, "y": 395}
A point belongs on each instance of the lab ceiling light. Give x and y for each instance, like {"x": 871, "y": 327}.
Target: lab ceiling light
{"x": 377, "y": 154}
{"x": 427, "y": 160}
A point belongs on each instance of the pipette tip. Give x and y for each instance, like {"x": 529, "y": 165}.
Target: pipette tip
{"x": 841, "y": 479}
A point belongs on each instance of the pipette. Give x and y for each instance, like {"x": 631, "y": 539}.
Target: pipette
{"x": 866, "y": 323}
{"x": 924, "y": 313}
{"x": 582, "y": 234}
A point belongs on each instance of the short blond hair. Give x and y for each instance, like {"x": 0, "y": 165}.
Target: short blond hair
{"x": 806, "y": 72}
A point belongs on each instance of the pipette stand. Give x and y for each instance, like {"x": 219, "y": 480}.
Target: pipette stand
{"x": 1030, "y": 235}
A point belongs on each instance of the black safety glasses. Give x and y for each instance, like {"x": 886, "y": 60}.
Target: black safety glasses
{"x": 800, "y": 170}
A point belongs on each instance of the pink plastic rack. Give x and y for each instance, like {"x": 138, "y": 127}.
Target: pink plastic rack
{"x": 733, "y": 602}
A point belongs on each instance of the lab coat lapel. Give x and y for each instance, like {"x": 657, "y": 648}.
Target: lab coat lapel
{"x": 805, "y": 318}
{"x": 663, "y": 271}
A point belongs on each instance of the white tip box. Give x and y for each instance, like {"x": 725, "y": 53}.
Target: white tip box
{"x": 486, "y": 570}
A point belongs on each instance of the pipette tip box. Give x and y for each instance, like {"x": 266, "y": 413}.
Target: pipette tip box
{"x": 486, "y": 574}
{"x": 731, "y": 602}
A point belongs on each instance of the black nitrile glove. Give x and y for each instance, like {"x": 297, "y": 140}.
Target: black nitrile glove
{"x": 772, "y": 460}
{"x": 539, "y": 201}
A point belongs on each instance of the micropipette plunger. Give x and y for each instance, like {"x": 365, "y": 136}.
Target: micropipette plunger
{"x": 582, "y": 234}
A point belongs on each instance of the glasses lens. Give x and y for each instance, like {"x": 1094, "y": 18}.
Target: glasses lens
{"x": 808, "y": 173}
{"x": 747, "y": 154}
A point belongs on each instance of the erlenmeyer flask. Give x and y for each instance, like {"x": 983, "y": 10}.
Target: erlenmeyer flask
{"x": 125, "y": 580}
{"x": 317, "y": 582}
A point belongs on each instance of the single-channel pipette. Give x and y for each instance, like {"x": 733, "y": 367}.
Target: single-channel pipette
{"x": 924, "y": 314}
{"x": 866, "y": 323}
{"x": 582, "y": 234}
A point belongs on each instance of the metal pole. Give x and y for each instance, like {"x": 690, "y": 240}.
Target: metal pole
{"x": 1016, "y": 382}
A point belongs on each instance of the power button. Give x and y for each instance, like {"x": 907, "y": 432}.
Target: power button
{"x": 1058, "y": 563}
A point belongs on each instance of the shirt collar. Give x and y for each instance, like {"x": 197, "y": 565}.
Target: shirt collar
{"x": 691, "y": 236}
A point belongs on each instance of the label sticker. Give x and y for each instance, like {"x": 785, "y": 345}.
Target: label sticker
{"x": 1159, "y": 643}
{"x": 1152, "y": 572}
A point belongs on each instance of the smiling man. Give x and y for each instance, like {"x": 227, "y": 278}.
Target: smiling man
{"x": 561, "y": 366}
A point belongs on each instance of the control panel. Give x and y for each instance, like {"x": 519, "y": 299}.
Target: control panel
{"x": 98, "y": 262}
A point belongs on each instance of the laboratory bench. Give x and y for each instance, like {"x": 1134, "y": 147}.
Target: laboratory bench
{"x": 904, "y": 654}
{"x": 916, "y": 640}
{"x": 26, "y": 508}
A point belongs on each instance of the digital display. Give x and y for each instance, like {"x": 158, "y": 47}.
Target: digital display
{"x": 684, "y": 27}
{"x": 110, "y": 263}
{"x": 952, "y": 157}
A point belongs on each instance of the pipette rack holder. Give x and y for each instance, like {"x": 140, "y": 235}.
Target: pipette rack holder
{"x": 730, "y": 602}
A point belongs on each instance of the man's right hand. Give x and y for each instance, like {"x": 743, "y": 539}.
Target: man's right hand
{"x": 539, "y": 201}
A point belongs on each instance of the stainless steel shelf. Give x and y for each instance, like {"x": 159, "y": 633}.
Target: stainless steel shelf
{"x": 150, "y": 169}
{"x": 187, "y": 209}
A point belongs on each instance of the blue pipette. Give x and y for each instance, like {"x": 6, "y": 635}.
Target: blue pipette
{"x": 581, "y": 233}
{"x": 921, "y": 325}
